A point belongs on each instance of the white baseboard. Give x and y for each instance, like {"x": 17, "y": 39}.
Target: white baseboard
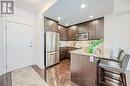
{"x": 41, "y": 67}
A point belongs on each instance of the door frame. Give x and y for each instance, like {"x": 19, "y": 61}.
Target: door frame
{"x": 5, "y": 41}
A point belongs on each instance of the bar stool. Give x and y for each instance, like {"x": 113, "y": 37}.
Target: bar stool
{"x": 109, "y": 69}
{"x": 120, "y": 51}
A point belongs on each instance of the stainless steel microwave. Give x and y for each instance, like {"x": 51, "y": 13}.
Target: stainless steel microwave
{"x": 82, "y": 36}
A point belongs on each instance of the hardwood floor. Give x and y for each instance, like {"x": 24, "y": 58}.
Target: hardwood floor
{"x": 58, "y": 75}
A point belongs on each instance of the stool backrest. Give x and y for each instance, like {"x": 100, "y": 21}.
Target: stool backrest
{"x": 124, "y": 62}
{"x": 120, "y": 51}
{"x": 120, "y": 58}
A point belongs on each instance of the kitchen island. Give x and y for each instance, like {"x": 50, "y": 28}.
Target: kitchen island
{"x": 83, "y": 67}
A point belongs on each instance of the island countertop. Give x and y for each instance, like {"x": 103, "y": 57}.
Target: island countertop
{"x": 84, "y": 52}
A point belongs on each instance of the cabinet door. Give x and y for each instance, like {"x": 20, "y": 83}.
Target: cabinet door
{"x": 83, "y": 72}
{"x": 83, "y": 28}
{"x": 50, "y": 25}
{"x": 63, "y": 52}
{"x": 72, "y": 32}
{"x": 100, "y": 29}
{"x": 63, "y": 33}
{"x": 92, "y": 30}
{"x": 68, "y": 50}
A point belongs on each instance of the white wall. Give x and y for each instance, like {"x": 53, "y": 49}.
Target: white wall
{"x": 40, "y": 34}
{"x": 20, "y": 16}
{"x": 117, "y": 27}
{"x": 1, "y": 47}
{"x": 39, "y": 41}
{"x": 121, "y": 5}
{"x": 117, "y": 32}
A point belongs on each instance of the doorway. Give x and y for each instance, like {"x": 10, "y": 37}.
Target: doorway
{"x": 19, "y": 45}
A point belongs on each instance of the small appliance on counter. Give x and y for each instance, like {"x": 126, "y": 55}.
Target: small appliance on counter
{"x": 51, "y": 41}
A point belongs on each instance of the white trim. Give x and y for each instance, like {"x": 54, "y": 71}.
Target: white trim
{"x": 19, "y": 23}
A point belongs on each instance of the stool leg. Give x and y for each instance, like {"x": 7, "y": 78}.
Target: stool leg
{"x": 98, "y": 76}
{"x": 123, "y": 77}
{"x": 120, "y": 81}
{"x": 103, "y": 74}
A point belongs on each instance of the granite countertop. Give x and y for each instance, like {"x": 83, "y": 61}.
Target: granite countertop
{"x": 84, "y": 52}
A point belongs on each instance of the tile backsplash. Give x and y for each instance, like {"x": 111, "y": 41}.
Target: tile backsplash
{"x": 84, "y": 45}
{"x": 77, "y": 44}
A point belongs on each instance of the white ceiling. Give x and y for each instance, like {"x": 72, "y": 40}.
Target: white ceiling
{"x": 71, "y": 13}
{"x": 33, "y": 6}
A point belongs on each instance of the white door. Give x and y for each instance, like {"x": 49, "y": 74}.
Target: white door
{"x": 19, "y": 45}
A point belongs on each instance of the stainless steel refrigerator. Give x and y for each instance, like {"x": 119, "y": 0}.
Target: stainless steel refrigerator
{"x": 51, "y": 48}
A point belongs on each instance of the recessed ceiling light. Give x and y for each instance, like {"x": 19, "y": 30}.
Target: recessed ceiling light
{"x": 90, "y": 16}
{"x": 59, "y": 18}
{"x": 83, "y": 6}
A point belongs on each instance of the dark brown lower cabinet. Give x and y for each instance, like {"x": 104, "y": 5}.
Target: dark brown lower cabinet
{"x": 68, "y": 50}
{"x": 64, "y": 52}
{"x": 83, "y": 72}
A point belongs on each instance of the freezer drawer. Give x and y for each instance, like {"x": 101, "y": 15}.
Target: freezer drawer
{"x": 52, "y": 58}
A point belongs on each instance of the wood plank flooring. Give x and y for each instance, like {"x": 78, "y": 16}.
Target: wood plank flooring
{"x": 58, "y": 75}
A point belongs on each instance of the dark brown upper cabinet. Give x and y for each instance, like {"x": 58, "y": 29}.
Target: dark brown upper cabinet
{"x": 99, "y": 28}
{"x": 63, "y": 33}
{"x": 87, "y": 27}
{"x": 50, "y": 25}
{"x": 72, "y": 32}
{"x": 95, "y": 28}
{"x": 91, "y": 30}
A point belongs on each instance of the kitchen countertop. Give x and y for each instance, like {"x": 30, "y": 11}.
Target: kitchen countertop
{"x": 84, "y": 52}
